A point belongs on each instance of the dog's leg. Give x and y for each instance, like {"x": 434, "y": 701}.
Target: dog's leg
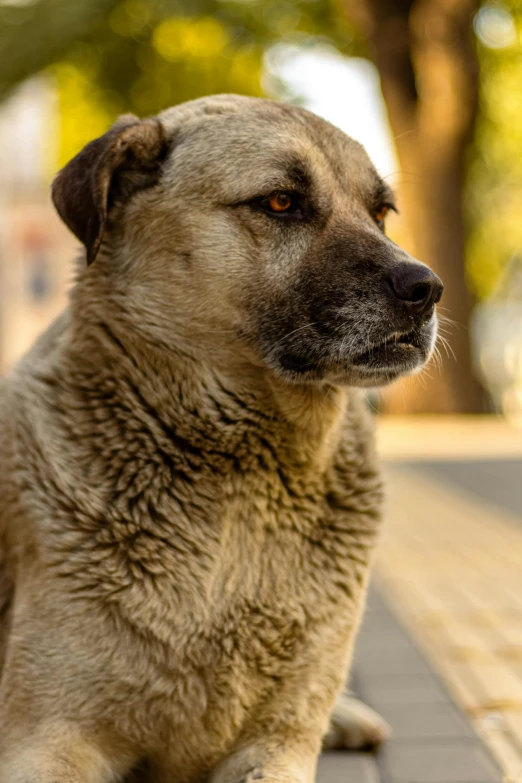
{"x": 271, "y": 761}
{"x": 57, "y": 754}
{"x": 354, "y": 725}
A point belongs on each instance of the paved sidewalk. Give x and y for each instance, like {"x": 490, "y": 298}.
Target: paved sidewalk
{"x": 451, "y": 564}
{"x": 441, "y": 656}
{"x": 432, "y": 740}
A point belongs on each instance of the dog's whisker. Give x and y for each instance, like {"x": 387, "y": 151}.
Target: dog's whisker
{"x": 447, "y": 346}
{"x": 292, "y": 333}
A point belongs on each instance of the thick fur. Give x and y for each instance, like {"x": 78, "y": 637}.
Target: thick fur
{"x": 188, "y": 510}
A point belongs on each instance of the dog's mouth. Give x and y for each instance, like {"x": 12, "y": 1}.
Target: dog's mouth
{"x": 399, "y": 348}
{"x": 381, "y": 361}
{"x": 363, "y": 360}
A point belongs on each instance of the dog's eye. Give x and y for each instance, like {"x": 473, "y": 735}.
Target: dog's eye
{"x": 281, "y": 204}
{"x": 380, "y": 215}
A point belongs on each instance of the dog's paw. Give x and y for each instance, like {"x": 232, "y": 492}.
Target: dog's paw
{"x": 355, "y": 726}
{"x": 254, "y": 775}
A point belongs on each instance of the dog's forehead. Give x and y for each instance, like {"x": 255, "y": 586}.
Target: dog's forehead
{"x": 264, "y": 137}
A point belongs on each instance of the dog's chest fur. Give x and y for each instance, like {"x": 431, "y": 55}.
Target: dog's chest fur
{"x": 224, "y": 559}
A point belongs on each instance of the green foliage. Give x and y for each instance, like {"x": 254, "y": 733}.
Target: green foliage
{"x": 493, "y": 195}
{"x": 112, "y": 56}
{"x": 138, "y": 62}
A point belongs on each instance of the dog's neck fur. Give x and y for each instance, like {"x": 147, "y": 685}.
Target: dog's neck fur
{"x": 192, "y": 393}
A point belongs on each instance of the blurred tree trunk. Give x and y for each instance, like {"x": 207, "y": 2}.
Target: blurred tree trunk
{"x": 425, "y": 55}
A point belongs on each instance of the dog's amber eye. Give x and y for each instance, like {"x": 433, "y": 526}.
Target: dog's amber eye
{"x": 380, "y": 215}
{"x": 283, "y": 205}
{"x": 280, "y": 202}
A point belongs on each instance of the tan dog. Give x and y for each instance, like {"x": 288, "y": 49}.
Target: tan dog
{"x": 189, "y": 499}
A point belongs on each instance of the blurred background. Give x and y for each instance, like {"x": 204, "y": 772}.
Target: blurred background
{"x": 430, "y": 87}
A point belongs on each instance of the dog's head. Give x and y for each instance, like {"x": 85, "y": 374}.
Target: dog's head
{"x": 254, "y": 225}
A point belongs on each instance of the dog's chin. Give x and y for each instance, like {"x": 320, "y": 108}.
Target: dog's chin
{"x": 382, "y": 363}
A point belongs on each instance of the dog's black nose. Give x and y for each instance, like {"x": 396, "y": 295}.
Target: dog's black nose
{"x": 417, "y": 286}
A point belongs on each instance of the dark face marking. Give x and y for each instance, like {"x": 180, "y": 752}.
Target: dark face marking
{"x": 331, "y": 311}
{"x": 340, "y": 320}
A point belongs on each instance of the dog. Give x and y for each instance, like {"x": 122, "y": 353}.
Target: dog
{"x": 189, "y": 495}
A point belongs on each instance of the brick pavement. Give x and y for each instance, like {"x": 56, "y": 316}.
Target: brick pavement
{"x": 432, "y": 740}
{"x": 450, "y": 566}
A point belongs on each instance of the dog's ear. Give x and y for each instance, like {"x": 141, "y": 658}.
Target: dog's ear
{"x": 125, "y": 159}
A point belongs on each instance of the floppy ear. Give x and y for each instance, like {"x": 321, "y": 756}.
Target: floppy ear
{"x": 125, "y": 159}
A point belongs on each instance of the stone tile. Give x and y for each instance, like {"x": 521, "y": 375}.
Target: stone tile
{"x": 345, "y": 767}
{"x": 382, "y": 690}
{"x": 375, "y": 604}
{"x": 391, "y": 662}
{"x": 375, "y": 637}
{"x": 385, "y": 622}
{"x": 439, "y": 762}
{"x": 496, "y": 481}
{"x": 426, "y": 721}
{"x": 432, "y": 740}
